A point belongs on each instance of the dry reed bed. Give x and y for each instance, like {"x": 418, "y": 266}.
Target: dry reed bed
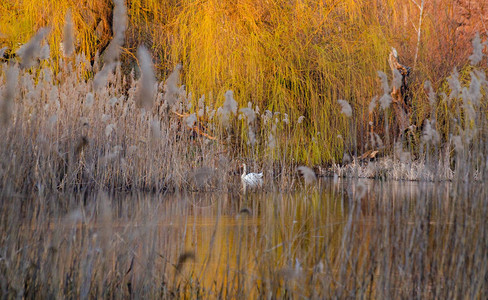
{"x": 68, "y": 132}
{"x": 94, "y": 127}
{"x": 293, "y": 57}
{"x": 66, "y": 135}
{"x": 78, "y": 133}
{"x": 354, "y": 239}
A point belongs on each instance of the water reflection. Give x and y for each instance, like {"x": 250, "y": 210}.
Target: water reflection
{"x": 339, "y": 239}
{"x": 245, "y": 238}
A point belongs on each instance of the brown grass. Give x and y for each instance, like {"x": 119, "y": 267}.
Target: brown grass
{"x": 74, "y": 135}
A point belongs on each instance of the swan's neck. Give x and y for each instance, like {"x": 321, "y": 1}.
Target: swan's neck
{"x": 244, "y": 170}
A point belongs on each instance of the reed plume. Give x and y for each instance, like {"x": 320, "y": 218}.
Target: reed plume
{"x": 373, "y": 104}
{"x": 145, "y": 90}
{"x": 68, "y": 38}
{"x": 156, "y": 135}
{"x": 384, "y": 82}
{"x": 89, "y": 100}
{"x": 474, "y": 89}
{"x": 249, "y": 113}
{"x": 9, "y": 95}
{"x": 385, "y": 101}
{"x": 100, "y": 79}
{"x": 308, "y": 175}
{"x": 31, "y": 51}
{"x": 430, "y": 93}
{"x": 171, "y": 89}
{"x": 454, "y": 84}
{"x": 119, "y": 27}
{"x": 477, "y": 55}
{"x": 229, "y": 107}
{"x": 386, "y": 98}
{"x": 111, "y": 54}
{"x": 191, "y": 120}
{"x": 346, "y": 108}
{"x": 430, "y": 135}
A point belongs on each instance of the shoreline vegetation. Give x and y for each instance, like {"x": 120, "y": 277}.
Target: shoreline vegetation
{"x": 72, "y": 124}
{"x": 123, "y": 126}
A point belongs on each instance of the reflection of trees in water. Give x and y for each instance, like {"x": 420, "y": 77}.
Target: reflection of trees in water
{"x": 361, "y": 238}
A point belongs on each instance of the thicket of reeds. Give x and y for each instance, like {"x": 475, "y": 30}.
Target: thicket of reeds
{"x": 296, "y": 57}
{"x": 65, "y": 132}
{"x": 71, "y": 123}
{"x": 183, "y": 92}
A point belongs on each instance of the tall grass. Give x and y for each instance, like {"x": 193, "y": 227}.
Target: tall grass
{"x": 67, "y": 131}
{"x": 272, "y": 84}
{"x": 292, "y": 57}
{"x": 64, "y": 132}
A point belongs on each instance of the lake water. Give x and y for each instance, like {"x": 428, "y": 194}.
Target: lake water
{"x": 344, "y": 239}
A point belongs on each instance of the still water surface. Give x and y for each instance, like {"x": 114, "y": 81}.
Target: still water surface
{"x": 347, "y": 238}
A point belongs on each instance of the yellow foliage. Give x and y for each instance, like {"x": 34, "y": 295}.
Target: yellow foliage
{"x": 295, "y": 57}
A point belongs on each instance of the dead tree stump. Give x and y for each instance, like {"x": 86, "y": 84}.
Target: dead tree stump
{"x": 401, "y": 107}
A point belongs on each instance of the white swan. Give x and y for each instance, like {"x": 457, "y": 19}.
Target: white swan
{"x": 251, "y": 180}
